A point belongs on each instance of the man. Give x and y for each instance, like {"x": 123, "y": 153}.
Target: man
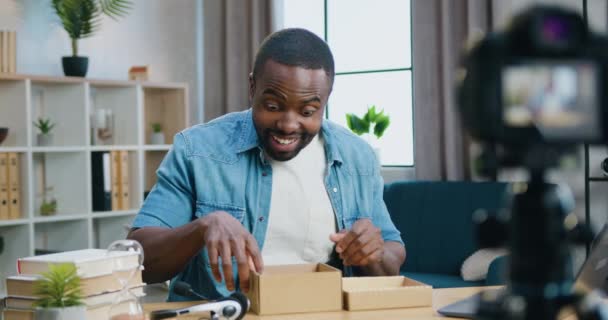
{"x": 270, "y": 185}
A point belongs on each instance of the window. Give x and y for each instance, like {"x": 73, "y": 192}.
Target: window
{"x": 371, "y": 43}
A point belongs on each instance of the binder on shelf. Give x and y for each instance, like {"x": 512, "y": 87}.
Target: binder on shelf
{"x": 4, "y": 207}
{"x": 101, "y": 179}
{"x": 124, "y": 180}
{"x": 116, "y": 183}
{"x": 5, "y": 50}
{"x": 12, "y": 54}
{"x": 2, "y": 50}
{"x": 14, "y": 186}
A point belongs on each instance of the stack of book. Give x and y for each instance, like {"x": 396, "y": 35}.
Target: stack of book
{"x": 100, "y": 285}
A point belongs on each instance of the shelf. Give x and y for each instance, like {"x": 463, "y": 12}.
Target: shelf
{"x": 11, "y": 235}
{"x": 64, "y": 104}
{"x": 75, "y": 106}
{"x": 60, "y": 218}
{"x": 163, "y": 147}
{"x": 66, "y": 174}
{"x": 61, "y": 235}
{"x": 59, "y": 149}
{"x": 14, "y": 149}
{"x": 107, "y": 230}
{"x": 110, "y": 214}
{"x": 114, "y": 148}
{"x": 15, "y": 222}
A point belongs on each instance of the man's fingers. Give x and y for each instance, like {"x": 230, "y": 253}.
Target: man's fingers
{"x": 212, "y": 252}
{"x": 355, "y": 246}
{"x": 357, "y": 258}
{"x": 336, "y": 237}
{"x": 343, "y": 244}
{"x": 254, "y": 253}
{"x": 373, "y": 257}
{"x": 227, "y": 265}
{"x": 242, "y": 261}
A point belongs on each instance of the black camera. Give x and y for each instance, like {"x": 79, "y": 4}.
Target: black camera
{"x": 542, "y": 81}
{"x": 530, "y": 94}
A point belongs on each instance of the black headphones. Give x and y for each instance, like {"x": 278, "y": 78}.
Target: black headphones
{"x": 233, "y": 307}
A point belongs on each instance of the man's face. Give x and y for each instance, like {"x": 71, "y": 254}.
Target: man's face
{"x": 288, "y": 105}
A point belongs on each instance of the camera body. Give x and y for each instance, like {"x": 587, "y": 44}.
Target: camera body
{"x": 540, "y": 82}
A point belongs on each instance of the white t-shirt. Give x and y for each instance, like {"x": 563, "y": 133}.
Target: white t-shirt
{"x": 301, "y": 215}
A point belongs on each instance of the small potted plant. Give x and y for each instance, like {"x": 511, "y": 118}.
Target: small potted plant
{"x": 82, "y": 19}
{"x": 48, "y": 206}
{"x": 157, "y": 137}
{"x": 372, "y": 122}
{"x": 45, "y": 137}
{"x": 60, "y": 294}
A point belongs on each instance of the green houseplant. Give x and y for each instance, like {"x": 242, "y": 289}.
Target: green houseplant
{"x": 372, "y": 122}
{"x": 60, "y": 294}
{"x": 45, "y": 137}
{"x": 82, "y": 19}
{"x": 157, "y": 137}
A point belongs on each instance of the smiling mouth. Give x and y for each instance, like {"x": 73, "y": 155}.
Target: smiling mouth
{"x": 283, "y": 141}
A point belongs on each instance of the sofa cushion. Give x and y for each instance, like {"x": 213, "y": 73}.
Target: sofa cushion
{"x": 434, "y": 218}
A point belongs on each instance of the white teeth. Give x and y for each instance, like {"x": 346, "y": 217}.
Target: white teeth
{"x": 283, "y": 141}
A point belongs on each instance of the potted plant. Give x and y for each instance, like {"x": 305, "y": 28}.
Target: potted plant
{"x": 60, "y": 294}
{"x": 371, "y": 122}
{"x": 157, "y": 137}
{"x": 48, "y": 206}
{"x": 82, "y": 19}
{"x": 45, "y": 137}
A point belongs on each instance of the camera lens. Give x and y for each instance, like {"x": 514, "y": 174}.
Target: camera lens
{"x": 604, "y": 167}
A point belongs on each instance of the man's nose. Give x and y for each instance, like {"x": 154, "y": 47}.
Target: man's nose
{"x": 288, "y": 122}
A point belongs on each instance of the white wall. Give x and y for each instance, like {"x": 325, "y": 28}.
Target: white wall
{"x": 158, "y": 33}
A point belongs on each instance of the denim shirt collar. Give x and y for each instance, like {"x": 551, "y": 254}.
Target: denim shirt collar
{"x": 249, "y": 138}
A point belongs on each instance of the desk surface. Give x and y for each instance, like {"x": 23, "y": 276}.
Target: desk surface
{"x": 441, "y": 297}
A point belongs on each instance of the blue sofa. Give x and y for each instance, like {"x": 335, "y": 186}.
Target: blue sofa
{"x": 434, "y": 218}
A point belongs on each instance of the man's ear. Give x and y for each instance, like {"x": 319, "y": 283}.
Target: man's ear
{"x": 251, "y": 88}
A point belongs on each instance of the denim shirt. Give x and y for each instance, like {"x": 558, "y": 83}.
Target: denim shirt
{"x": 220, "y": 166}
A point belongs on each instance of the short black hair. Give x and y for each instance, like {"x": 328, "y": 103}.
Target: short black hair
{"x": 295, "y": 47}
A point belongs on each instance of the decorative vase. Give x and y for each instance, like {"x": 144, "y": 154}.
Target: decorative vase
{"x": 157, "y": 138}
{"x": 44, "y": 139}
{"x": 69, "y": 313}
{"x": 75, "y": 66}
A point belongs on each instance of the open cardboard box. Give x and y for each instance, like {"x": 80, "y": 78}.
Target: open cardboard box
{"x": 295, "y": 288}
{"x": 368, "y": 293}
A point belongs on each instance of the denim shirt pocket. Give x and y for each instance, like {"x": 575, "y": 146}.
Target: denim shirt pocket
{"x": 204, "y": 208}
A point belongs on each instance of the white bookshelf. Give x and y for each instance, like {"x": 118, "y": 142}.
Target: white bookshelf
{"x": 69, "y": 102}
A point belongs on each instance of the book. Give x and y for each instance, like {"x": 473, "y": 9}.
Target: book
{"x": 124, "y": 180}
{"x": 95, "y": 313}
{"x": 4, "y": 205}
{"x": 14, "y": 186}
{"x": 23, "y": 285}
{"x": 116, "y": 183}
{"x": 88, "y": 262}
{"x": 12, "y": 54}
{"x": 90, "y": 301}
{"x": 101, "y": 181}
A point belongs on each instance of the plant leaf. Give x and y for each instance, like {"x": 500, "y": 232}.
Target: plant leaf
{"x": 382, "y": 122}
{"x": 357, "y": 125}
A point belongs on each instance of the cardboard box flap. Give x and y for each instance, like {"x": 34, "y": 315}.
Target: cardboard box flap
{"x": 369, "y": 293}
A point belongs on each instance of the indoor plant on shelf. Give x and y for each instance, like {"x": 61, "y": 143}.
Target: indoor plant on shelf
{"x": 372, "y": 124}
{"x": 45, "y": 137}
{"x": 81, "y": 19}
{"x": 157, "y": 137}
{"x": 60, "y": 294}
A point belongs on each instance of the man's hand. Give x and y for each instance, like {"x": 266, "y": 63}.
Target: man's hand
{"x": 360, "y": 246}
{"x": 225, "y": 237}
